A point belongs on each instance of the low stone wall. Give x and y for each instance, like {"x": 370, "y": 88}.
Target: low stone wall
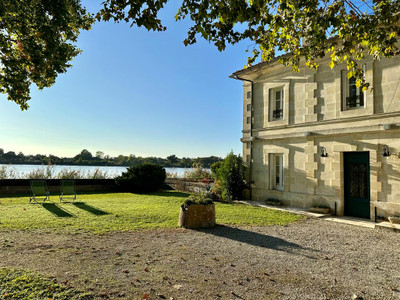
{"x": 22, "y": 186}
{"x": 188, "y": 185}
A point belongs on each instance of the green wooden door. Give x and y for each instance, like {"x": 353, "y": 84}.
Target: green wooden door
{"x": 356, "y": 184}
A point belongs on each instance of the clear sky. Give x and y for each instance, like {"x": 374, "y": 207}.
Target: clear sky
{"x": 134, "y": 92}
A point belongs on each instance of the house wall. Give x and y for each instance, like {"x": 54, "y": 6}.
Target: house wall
{"x": 314, "y": 118}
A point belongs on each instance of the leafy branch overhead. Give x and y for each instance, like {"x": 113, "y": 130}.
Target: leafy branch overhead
{"x": 37, "y": 37}
{"x": 37, "y": 42}
{"x": 343, "y": 30}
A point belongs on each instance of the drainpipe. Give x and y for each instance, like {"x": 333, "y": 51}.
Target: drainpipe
{"x": 251, "y": 133}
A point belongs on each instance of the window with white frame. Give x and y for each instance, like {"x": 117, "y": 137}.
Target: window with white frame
{"x": 352, "y": 96}
{"x": 276, "y": 103}
{"x": 276, "y": 171}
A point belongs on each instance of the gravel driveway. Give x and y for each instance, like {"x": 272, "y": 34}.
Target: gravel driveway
{"x": 310, "y": 259}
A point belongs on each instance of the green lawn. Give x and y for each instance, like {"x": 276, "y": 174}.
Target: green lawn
{"x": 102, "y": 213}
{"x": 22, "y": 284}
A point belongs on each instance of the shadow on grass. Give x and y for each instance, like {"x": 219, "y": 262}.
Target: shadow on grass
{"x": 258, "y": 240}
{"x": 15, "y": 196}
{"x": 171, "y": 194}
{"x": 56, "y": 210}
{"x": 90, "y": 209}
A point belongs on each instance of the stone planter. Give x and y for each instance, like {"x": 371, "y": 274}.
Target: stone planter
{"x": 197, "y": 216}
{"x": 320, "y": 210}
{"x": 394, "y": 220}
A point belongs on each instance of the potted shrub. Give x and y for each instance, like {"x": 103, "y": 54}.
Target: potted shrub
{"x": 320, "y": 209}
{"x": 273, "y": 202}
{"x": 197, "y": 212}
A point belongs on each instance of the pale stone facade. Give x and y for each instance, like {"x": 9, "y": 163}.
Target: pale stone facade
{"x": 290, "y": 117}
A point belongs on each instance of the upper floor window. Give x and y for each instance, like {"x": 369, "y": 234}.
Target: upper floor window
{"x": 352, "y": 96}
{"x": 276, "y": 103}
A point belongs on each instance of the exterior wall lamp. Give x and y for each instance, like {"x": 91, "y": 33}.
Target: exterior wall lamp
{"x": 323, "y": 152}
{"x": 386, "y": 151}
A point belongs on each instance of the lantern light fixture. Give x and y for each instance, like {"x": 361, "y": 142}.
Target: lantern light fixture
{"x": 323, "y": 152}
{"x": 386, "y": 152}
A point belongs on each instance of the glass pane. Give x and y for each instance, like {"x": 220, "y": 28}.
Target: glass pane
{"x": 362, "y": 183}
{"x": 361, "y": 97}
{"x": 352, "y": 87}
{"x": 354, "y": 180}
{"x": 358, "y": 180}
{"x": 278, "y": 95}
{"x": 278, "y": 100}
{"x": 277, "y": 170}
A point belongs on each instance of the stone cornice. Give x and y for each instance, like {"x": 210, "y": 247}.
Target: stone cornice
{"x": 317, "y": 128}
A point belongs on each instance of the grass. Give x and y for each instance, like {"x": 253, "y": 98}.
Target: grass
{"x": 22, "y": 284}
{"x": 102, "y": 213}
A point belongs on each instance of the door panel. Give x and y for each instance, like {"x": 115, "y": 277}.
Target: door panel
{"x": 356, "y": 184}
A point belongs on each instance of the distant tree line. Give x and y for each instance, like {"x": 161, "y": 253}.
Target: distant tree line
{"x": 85, "y": 158}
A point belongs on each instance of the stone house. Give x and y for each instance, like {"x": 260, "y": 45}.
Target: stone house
{"x": 314, "y": 139}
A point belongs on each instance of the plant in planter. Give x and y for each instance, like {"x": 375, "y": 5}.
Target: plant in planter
{"x": 320, "y": 209}
{"x": 394, "y": 219}
{"x": 273, "y": 202}
{"x": 197, "y": 212}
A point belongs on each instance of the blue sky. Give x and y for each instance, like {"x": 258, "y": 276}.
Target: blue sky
{"x": 134, "y": 92}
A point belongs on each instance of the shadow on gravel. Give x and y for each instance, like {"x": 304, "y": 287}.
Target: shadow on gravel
{"x": 258, "y": 239}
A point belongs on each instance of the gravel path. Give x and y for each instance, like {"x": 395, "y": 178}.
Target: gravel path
{"x": 311, "y": 259}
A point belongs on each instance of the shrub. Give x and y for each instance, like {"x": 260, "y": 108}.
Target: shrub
{"x": 79, "y": 174}
{"x": 229, "y": 177}
{"x": 97, "y": 174}
{"x": 197, "y": 172}
{"x": 8, "y": 173}
{"x": 172, "y": 175}
{"x": 197, "y": 198}
{"x": 41, "y": 173}
{"x": 142, "y": 178}
{"x": 70, "y": 174}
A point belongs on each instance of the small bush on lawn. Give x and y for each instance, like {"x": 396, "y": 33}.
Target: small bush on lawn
{"x": 229, "y": 177}
{"x": 143, "y": 178}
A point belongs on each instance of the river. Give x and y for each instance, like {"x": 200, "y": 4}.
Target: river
{"x": 21, "y": 171}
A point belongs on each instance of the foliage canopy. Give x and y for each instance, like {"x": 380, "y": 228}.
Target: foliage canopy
{"x": 37, "y": 36}
{"x": 229, "y": 177}
{"x": 144, "y": 178}
{"x": 37, "y": 43}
